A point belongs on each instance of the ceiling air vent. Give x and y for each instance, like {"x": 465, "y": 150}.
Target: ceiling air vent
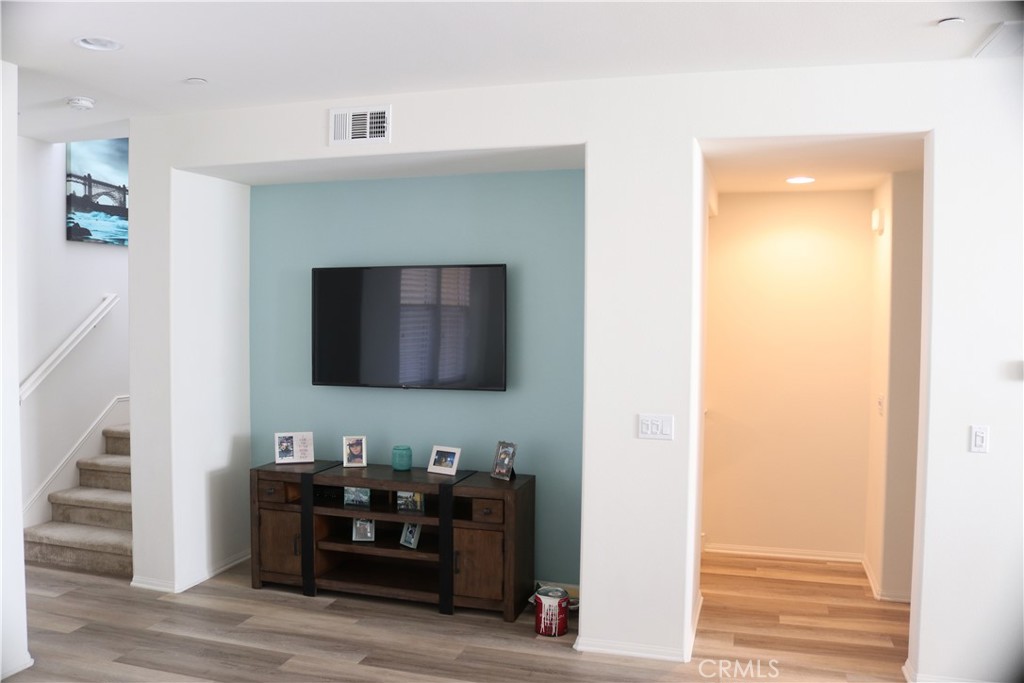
{"x": 360, "y": 124}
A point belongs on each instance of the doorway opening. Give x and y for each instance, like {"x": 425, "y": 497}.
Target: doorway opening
{"x": 812, "y": 303}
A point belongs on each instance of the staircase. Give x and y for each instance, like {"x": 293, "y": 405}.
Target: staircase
{"x": 91, "y": 529}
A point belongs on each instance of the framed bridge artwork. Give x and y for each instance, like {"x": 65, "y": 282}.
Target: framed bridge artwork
{"x": 97, "y": 191}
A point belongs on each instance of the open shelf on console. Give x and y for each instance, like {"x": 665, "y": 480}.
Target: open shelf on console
{"x": 426, "y": 551}
{"x": 385, "y": 577}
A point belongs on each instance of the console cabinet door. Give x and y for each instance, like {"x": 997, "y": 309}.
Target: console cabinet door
{"x": 479, "y": 563}
{"x": 281, "y": 542}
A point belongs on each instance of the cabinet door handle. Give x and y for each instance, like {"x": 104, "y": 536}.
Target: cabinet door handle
{"x": 455, "y": 562}
{"x": 296, "y": 544}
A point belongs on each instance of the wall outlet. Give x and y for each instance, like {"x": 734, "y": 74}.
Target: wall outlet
{"x": 651, "y": 426}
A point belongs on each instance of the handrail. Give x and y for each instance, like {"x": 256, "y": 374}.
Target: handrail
{"x": 74, "y": 339}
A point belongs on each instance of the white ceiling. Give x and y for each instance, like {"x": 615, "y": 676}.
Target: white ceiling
{"x": 849, "y": 162}
{"x": 258, "y": 53}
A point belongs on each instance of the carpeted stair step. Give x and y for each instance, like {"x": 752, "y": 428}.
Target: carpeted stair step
{"x": 106, "y": 472}
{"x": 93, "y": 507}
{"x": 118, "y": 440}
{"x": 84, "y": 548}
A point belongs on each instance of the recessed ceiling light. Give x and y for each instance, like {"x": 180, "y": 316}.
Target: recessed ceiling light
{"x": 196, "y": 80}
{"x": 97, "y": 43}
{"x": 799, "y": 180}
{"x": 950, "y": 21}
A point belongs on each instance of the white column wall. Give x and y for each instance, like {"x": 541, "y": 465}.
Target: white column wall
{"x": 904, "y": 386}
{"x": 640, "y": 319}
{"x": 875, "y": 511}
{"x": 14, "y": 655}
{"x": 190, "y": 450}
{"x": 153, "y": 497}
{"x": 969, "y": 522}
{"x": 210, "y": 391}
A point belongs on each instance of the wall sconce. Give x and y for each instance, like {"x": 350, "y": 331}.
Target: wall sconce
{"x": 878, "y": 221}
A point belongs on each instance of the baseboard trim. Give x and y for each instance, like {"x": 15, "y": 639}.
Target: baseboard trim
{"x": 152, "y": 584}
{"x": 915, "y": 677}
{"x": 783, "y": 553}
{"x": 869, "y": 570}
{"x": 23, "y": 663}
{"x": 213, "y": 571}
{"x": 238, "y": 559}
{"x": 171, "y": 587}
{"x": 691, "y": 636}
{"x": 875, "y": 591}
{"x": 72, "y": 455}
{"x": 611, "y": 647}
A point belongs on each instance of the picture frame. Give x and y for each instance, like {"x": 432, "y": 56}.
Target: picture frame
{"x": 293, "y": 447}
{"x": 97, "y": 191}
{"x": 410, "y": 535}
{"x": 363, "y": 530}
{"x": 504, "y": 457}
{"x": 444, "y": 460}
{"x": 357, "y": 497}
{"x": 353, "y": 451}
{"x": 409, "y": 502}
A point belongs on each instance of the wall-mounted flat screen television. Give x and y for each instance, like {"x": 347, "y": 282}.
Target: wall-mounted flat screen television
{"x": 412, "y": 327}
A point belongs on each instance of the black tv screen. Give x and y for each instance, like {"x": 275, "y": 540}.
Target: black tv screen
{"x": 413, "y": 327}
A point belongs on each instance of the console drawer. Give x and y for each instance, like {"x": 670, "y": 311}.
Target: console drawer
{"x": 488, "y": 510}
{"x": 269, "y": 491}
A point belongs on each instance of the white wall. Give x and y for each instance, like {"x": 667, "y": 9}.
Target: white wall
{"x": 895, "y": 381}
{"x": 787, "y": 364}
{"x": 904, "y": 385}
{"x": 210, "y": 398}
{"x": 642, "y": 322}
{"x": 60, "y": 284}
{"x": 202, "y": 504}
{"x": 878, "y": 388}
{"x": 14, "y": 655}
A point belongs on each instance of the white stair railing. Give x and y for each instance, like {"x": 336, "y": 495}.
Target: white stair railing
{"x": 74, "y": 339}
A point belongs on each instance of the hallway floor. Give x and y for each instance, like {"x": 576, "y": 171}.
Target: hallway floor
{"x": 818, "y": 621}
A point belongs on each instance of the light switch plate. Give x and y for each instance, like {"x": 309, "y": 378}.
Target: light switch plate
{"x": 979, "y": 439}
{"x": 653, "y": 426}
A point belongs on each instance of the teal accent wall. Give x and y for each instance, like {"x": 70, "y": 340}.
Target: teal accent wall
{"x": 531, "y": 221}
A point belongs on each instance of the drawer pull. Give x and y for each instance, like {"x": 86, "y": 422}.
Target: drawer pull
{"x": 270, "y": 490}
{"x": 488, "y": 511}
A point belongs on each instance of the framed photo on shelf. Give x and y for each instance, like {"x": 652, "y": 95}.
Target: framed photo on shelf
{"x": 357, "y": 497}
{"x": 353, "y": 451}
{"x": 504, "y": 456}
{"x": 292, "y": 447}
{"x": 409, "y": 501}
{"x": 444, "y": 460}
{"x": 363, "y": 530}
{"x": 410, "y": 535}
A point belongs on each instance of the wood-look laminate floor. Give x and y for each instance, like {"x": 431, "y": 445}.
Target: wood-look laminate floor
{"x": 762, "y": 619}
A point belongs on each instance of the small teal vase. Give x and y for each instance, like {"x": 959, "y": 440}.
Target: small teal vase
{"x": 401, "y": 458}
